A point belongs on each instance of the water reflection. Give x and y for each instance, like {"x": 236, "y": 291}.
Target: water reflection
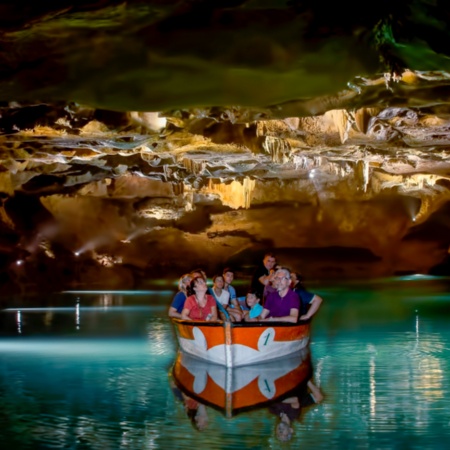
{"x": 283, "y": 386}
{"x": 235, "y": 389}
{"x": 382, "y": 360}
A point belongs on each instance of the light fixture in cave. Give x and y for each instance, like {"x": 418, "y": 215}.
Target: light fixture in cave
{"x": 19, "y": 262}
{"x": 136, "y": 233}
{"x": 92, "y": 244}
{"x": 413, "y": 206}
{"x": 312, "y": 173}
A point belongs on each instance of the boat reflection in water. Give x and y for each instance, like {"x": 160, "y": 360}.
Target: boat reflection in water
{"x": 233, "y": 390}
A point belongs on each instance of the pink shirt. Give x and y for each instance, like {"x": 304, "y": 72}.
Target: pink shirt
{"x": 195, "y": 311}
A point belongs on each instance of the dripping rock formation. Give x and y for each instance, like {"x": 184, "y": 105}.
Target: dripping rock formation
{"x": 145, "y": 138}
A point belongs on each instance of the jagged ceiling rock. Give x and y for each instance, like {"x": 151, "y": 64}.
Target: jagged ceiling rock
{"x": 282, "y": 124}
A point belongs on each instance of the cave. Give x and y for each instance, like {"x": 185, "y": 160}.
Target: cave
{"x": 141, "y": 139}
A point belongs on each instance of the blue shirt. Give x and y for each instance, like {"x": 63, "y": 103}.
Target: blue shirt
{"x": 178, "y": 301}
{"x": 255, "y": 311}
{"x": 232, "y": 292}
{"x": 305, "y": 299}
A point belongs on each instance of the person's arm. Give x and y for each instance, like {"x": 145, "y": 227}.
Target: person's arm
{"x": 315, "y": 305}
{"x": 246, "y": 317}
{"x": 237, "y": 306}
{"x": 213, "y": 314}
{"x": 293, "y": 316}
{"x": 174, "y": 313}
{"x": 266, "y": 279}
{"x": 264, "y": 314}
{"x": 315, "y": 392}
{"x": 185, "y": 314}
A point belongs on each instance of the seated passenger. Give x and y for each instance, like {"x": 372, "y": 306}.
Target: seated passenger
{"x": 236, "y": 308}
{"x": 309, "y": 302}
{"x": 178, "y": 301}
{"x": 255, "y": 310}
{"x": 283, "y": 305}
{"x": 222, "y": 297}
{"x": 199, "y": 305}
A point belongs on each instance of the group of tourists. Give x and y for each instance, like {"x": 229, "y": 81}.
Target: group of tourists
{"x": 275, "y": 293}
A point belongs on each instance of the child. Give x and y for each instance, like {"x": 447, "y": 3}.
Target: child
{"x": 256, "y": 309}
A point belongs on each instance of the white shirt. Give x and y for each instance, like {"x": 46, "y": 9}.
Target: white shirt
{"x": 224, "y": 297}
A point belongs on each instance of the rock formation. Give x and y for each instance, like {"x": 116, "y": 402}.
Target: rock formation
{"x": 144, "y": 138}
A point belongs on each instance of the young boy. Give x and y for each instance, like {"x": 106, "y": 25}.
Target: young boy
{"x": 256, "y": 309}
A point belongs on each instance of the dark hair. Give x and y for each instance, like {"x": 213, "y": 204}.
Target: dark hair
{"x": 299, "y": 278}
{"x": 255, "y": 293}
{"x": 217, "y": 276}
{"x": 190, "y": 288}
{"x": 227, "y": 269}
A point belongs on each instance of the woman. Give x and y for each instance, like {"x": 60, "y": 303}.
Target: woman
{"x": 199, "y": 305}
{"x": 177, "y": 305}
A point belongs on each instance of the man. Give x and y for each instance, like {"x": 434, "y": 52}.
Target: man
{"x": 283, "y": 305}
{"x": 228, "y": 277}
{"x": 263, "y": 275}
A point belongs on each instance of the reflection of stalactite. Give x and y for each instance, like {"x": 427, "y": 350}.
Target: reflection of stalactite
{"x": 362, "y": 174}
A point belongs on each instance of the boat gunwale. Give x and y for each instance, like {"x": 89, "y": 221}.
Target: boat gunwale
{"x": 240, "y": 324}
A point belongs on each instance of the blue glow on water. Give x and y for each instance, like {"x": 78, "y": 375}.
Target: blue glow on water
{"x": 93, "y": 372}
{"x": 137, "y": 292}
{"x": 117, "y": 309}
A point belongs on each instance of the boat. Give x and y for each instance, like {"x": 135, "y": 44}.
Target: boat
{"x": 234, "y": 390}
{"x": 239, "y": 344}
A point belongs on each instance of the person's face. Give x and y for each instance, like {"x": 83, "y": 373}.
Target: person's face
{"x": 186, "y": 282}
{"x": 218, "y": 282}
{"x": 294, "y": 279}
{"x": 284, "y": 432}
{"x": 228, "y": 277}
{"x": 281, "y": 281}
{"x": 200, "y": 285}
{"x": 269, "y": 262}
{"x": 201, "y": 422}
{"x": 252, "y": 300}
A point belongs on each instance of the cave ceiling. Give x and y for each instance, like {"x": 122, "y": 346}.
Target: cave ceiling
{"x": 161, "y": 135}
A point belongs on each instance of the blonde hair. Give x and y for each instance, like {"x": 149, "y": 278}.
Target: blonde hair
{"x": 180, "y": 282}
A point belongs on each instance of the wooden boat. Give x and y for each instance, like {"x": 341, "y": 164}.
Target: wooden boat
{"x": 239, "y": 344}
{"x": 233, "y": 390}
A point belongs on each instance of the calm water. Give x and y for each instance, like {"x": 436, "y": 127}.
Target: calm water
{"x": 91, "y": 371}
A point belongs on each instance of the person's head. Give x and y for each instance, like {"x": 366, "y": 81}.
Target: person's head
{"x": 197, "y": 286}
{"x": 228, "y": 275}
{"x": 269, "y": 261}
{"x": 198, "y": 417}
{"x": 184, "y": 281}
{"x": 282, "y": 279}
{"x": 252, "y": 299}
{"x": 218, "y": 281}
{"x": 198, "y": 273}
{"x": 284, "y": 432}
{"x": 296, "y": 279}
